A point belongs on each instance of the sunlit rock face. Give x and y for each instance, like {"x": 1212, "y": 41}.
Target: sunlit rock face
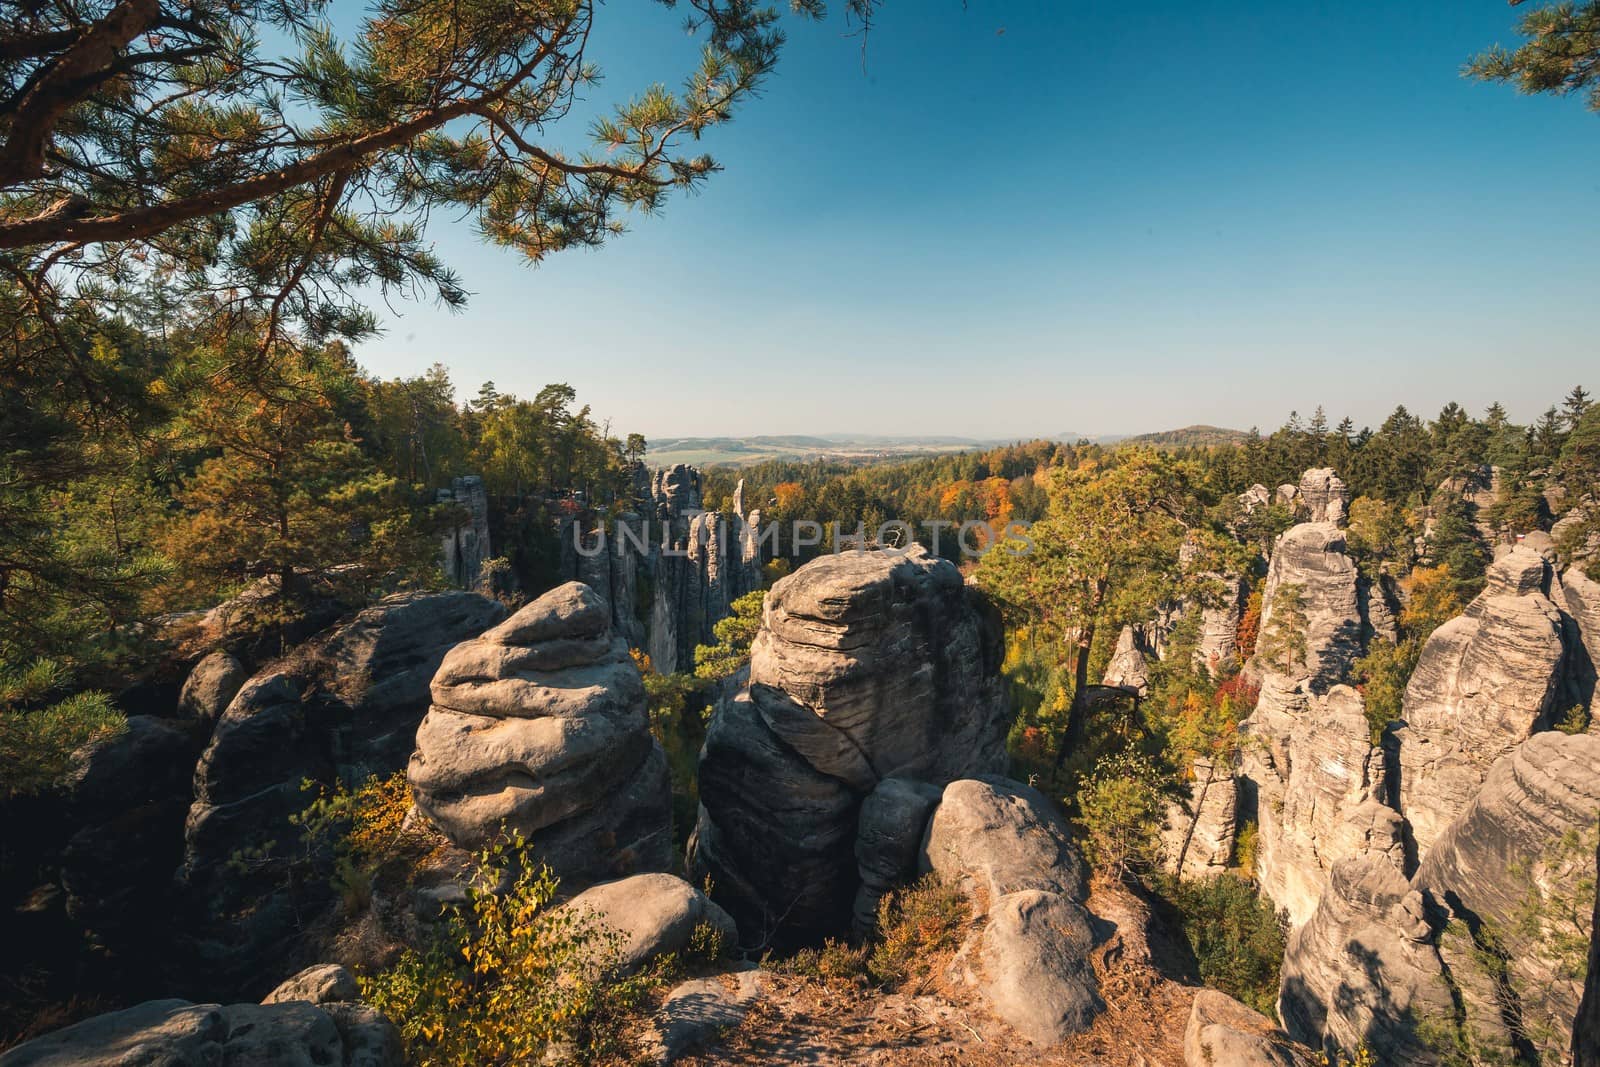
{"x": 868, "y": 665}
{"x": 539, "y": 727}
{"x": 1484, "y": 683}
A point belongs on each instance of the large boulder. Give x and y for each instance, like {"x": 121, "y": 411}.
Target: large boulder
{"x": 869, "y": 665}
{"x": 1516, "y": 867}
{"x": 652, "y": 914}
{"x": 211, "y": 686}
{"x": 176, "y": 1033}
{"x": 1013, "y": 857}
{"x": 539, "y": 727}
{"x": 1484, "y": 683}
{"x": 1222, "y": 1031}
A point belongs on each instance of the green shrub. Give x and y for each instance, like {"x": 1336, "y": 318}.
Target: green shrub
{"x": 1123, "y": 807}
{"x": 511, "y": 979}
{"x": 1236, "y": 936}
{"x": 37, "y": 742}
{"x": 916, "y": 925}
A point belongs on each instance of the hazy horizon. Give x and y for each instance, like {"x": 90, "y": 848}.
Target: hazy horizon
{"x": 1016, "y": 223}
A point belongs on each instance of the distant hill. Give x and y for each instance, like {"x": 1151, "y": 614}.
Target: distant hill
{"x": 741, "y": 451}
{"x": 1187, "y": 437}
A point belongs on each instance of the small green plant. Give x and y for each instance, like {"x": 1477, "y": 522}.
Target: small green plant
{"x": 512, "y": 979}
{"x": 367, "y": 829}
{"x": 916, "y": 925}
{"x": 1574, "y": 721}
{"x": 834, "y": 963}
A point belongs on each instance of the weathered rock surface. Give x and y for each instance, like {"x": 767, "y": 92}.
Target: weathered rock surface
{"x": 1483, "y": 684}
{"x": 1014, "y": 858}
{"x": 1197, "y": 837}
{"x": 176, "y": 1033}
{"x": 1309, "y": 787}
{"x": 869, "y": 665}
{"x": 1586, "y": 1028}
{"x": 466, "y": 545}
{"x": 1521, "y": 849}
{"x": 211, "y": 686}
{"x": 1324, "y": 496}
{"x": 1580, "y": 599}
{"x": 1362, "y": 970}
{"x": 1223, "y": 1031}
{"x": 654, "y": 913}
{"x": 539, "y": 727}
{"x": 1219, "y": 626}
{"x": 1128, "y": 668}
{"x": 1312, "y": 557}
{"x": 321, "y": 983}
{"x": 699, "y": 1011}
{"x": 888, "y": 837}
{"x": 345, "y": 706}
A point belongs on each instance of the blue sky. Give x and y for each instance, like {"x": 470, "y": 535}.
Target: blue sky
{"x": 1031, "y": 217}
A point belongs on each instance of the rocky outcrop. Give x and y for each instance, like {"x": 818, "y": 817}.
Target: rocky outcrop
{"x": 1324, "y": 496}
{"x": 868, "y": 665}
{"x": 1311, "y": 557}
{"x": 1128, "y": 668}
{"x": 1586, "y": 1028}
{"x": 1198, "y": 834}
{"x": 128, "y": 796}
{"x": 1014, "y": 858}
{"x": 211, "y": 687}
{"x": 1362, "y": 970}
{"x": 1223, "y": 1031}
{"x": 1580, "y": 599}
{"x": 539, "y": 727}
{"x": 672, "y": 570}
{"x": 466, "y": 544}
{"x": 1483, "y": 684}
{"x": 1219, "y": 625}
{"x": 1319, "y": 792}
{"x": 344, "y": 707}
{"x": 653, "y": 914}
{"x": 1515, "y": 867}
{"x": 176, "y": 1033}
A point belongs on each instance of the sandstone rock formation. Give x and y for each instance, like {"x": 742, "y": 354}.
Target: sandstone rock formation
{"x": 692, "y": 563}
{"x": 466, "y": 544}
{"x": 1223, "y": 1031}
{"x": 1515, "y": 866}
{"x": 344, "y": 707}
{"x": 1483, "y": 684}
{"x": 1586, "y": 1028}
{"x": 1580, "y": 599}
{"x": 176, "y": 1033}
{"x": 539, "y": 727}
{"x": 868, "y": 665}
{"x": 1128, "y": 668}
{"x": 1197, "y": 837}
{"x": 654, "y": 913}
{"x": 1362, "y": 970}
{"x": 1311, "y": 557}
{"x": 211, "y": 686}
{"x": 1319, "y": 791}
{"x": 1015, "y": 860}
{"x": 1324, "y": 496}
